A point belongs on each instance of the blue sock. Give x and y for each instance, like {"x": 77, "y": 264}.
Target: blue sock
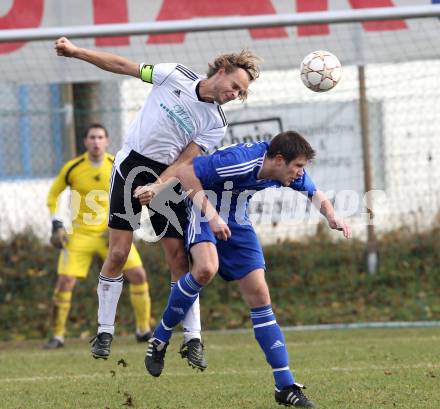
{"x": 269, "y": 336}
{"x": 182, "y": 296}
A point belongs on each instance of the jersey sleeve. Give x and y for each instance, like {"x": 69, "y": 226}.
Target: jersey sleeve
{"x": 155, "y": 74}
{"x": 223, "y": 165}
{"x": 58, "y": 186}
{"x": 211, "y": 138}
{"x": 305, "y": 185}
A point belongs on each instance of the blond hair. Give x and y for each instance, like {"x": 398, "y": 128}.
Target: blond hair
{"x": 245, "y": 60}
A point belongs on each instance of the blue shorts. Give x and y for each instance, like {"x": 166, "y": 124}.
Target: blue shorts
{"x": 238, "y": 256}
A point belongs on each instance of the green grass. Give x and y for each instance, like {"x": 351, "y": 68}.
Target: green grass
{"x": 374, "y": 368}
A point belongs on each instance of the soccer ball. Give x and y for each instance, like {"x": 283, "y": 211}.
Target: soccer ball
{"x": 320, "y": 71}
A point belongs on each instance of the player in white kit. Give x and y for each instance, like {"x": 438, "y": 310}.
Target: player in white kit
{"x": 181, "y": 118}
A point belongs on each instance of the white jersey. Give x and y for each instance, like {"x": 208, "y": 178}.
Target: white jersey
{"x": 173, "y": 115}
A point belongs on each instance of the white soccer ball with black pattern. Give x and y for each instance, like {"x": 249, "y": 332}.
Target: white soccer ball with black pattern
{"x": 320, "y": 71}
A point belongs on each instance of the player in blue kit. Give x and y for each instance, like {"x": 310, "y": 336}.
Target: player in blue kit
{"x": 220, "y": 237}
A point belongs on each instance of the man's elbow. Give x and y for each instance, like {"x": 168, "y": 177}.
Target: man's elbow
{"x": 182, "y": 171}
{"x": 187, "y": 161}
{"x": 185, "y": 175}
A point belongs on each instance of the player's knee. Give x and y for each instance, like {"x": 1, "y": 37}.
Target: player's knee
{"x": 204, "y": 277}
{"x": 257, "y": 298}
{"x": 118, "y": 256}
{"x": 140, "y": 274}
{"x": 260, "y": 297}
{"x": 205, "y": 273}
{"x": 136, "y": 275}
{"x": 65, "y": 283}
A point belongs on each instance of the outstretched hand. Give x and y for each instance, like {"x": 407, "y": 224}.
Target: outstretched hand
{"x": 65, "y": 47}
{"x": 340, "y": 225}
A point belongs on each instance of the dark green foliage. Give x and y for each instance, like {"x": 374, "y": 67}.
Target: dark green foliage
{"x": 317, "y": 281}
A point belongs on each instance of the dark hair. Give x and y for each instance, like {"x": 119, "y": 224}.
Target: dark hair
{"x": 95, "y": 125}
{"x": 290, "y": 145}
{"x": 245, "y": 60}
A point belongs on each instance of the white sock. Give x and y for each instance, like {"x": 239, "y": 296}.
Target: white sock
{"x": 109, "y": 291}
{"x": 192, "y": 327}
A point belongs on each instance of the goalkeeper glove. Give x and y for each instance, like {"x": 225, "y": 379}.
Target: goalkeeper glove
{"x": 58, "y": 239}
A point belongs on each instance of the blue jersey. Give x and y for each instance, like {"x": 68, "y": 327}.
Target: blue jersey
{"x": 232, "y": 174}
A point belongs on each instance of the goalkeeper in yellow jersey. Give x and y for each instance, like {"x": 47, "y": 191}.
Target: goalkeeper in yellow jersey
{"x": 88, "y": 177}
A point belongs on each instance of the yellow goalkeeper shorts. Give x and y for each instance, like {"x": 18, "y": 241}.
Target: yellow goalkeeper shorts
{"x": 76, "y": 258}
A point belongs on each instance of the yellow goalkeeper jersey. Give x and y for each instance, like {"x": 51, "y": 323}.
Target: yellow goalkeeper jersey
{"x": 89, "y": 186}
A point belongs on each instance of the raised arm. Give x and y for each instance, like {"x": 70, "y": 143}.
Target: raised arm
{"x": 106, "y": 61}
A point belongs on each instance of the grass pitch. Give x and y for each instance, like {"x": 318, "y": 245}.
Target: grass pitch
{"x": 356, "y": 369}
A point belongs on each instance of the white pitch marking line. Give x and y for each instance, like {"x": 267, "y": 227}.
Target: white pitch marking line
{"x": 217, "y": 373}
{"x": 217, "y": 347}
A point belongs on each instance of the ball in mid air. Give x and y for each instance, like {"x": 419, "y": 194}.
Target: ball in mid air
{"x": 320, "y": 71}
